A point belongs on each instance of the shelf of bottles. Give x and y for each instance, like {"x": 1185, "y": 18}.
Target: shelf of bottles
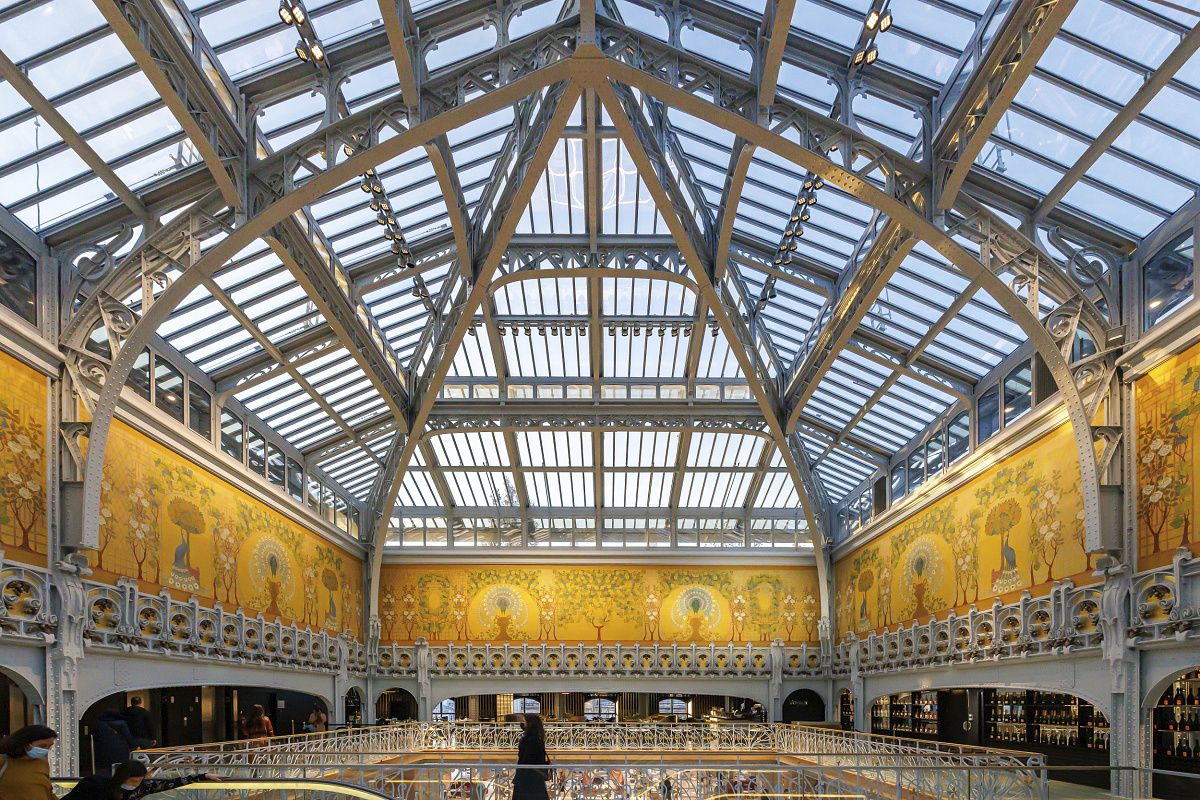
{"x": 1177, "y": 724}
{"x": 846, "y": 711}
{"x": 881, "y": 715}
{"x": 1043, "y": 718}
{"x": 925, "y": 713}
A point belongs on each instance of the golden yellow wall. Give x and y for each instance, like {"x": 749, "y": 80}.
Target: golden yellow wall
{"x": 586, "y": 604}
{"x": 170, "y": 524}
{"x": 1168, "y": 406}
{"x": 23, "y": 399}
{"x": 1018, "y": 526}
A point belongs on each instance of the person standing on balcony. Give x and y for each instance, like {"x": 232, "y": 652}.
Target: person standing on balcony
{"x": 530, "y": 783}
{"x": 24, "y": 770}
{"x": 258, "y": 724}
{"x": 318, "y": 720}
{"x": 140, "y": 723}
{"x": 113, "y": 742}
{"x": 129, "y": 782}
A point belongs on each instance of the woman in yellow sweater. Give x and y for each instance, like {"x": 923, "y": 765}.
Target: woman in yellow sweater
{"x": 24, "y": 770}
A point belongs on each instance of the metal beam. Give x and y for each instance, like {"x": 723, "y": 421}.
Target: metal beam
{"x": 38, "y": 102}
{"x": 1014, "y": 53}
{"x": 1117, "y": 125}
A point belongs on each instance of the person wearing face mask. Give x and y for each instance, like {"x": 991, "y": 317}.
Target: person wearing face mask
{"x": 129, "y": 781}
{"x": 24, "y": 770}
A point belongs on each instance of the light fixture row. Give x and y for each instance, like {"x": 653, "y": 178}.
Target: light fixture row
{"x": 805, "y": 200}
{"x": 876, "y": 22}
{"x": 309, "y": 48}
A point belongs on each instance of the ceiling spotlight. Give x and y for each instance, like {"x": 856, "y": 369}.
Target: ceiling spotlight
{"x": 687, "y": 330}
{"x": 812, "y": 199}
{"x": 301, "y": 51}
{"x": 553, "y": 329}
{"x": 374, "y": 203}
{"x": 808, "y": 184}
{"x": 662, "y": 332}
{"x": 503, "y": 331}
{"x": 346, "y": 148}
{"x": 318, "y": 52}
{"x": 416, "y": 291}
{"x": 298, "y": 14}
{"x": 819, "y": 183}
{"x": 885, "y": 22}
{"x": 389, "y": 234}
{"x": 285, "y": 13}
{"x": 804, "y": 218}
{"x": 365, "y": 184}
{"x": 715, "y": 330}
{"x": 471, "y": 330}
{"x": 624, "y": 330}
{"x": 674, "y": 330}
{"x": 872, "y": 54}
{"x": 568, "y": 330}
{"x": 637, "y": 330}
{"x": 872, "y": 19}
{"x": 583, "y": 330}
{"x": 542, "y": 330}
{"x": 612, "y": 331}
{"x": 859, "y": 56}
{"x": 396, "y": 247}
{"x": 528, "y": 331}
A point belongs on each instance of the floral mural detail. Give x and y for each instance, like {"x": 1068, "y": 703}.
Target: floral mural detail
{"x": 1168, "y": 408}
{"x": 169, "y": 524}
{"x": 23, "y": 415}
{"x": 1013, "y": 528}
{"x": 587, "y": 604}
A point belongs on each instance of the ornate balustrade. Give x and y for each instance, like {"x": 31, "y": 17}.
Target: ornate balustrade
{"x": 124, "y": 617}
{"x": 636, "y": 660}
{"x": 367, "y": 745}
{"x": 24, "y": 602}
{"x": 1165, "y": 603}
{"x": 1067, "y": 620}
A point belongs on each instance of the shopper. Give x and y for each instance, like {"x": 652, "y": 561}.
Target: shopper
{"x": 257, "y": 725}
{"x": 140, "y": 723}
{"x": 318, "y": 720}
{"x": 24, "y": 770}
{"x": 129, "y": 781}
{"x": 530, "y": 784}
{"x": 112, "y": 742}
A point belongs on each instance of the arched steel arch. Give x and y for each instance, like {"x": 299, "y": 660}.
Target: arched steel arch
{"x": 588, "y": 67}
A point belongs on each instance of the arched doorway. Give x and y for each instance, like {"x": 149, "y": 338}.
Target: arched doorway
{"x": 846, "y": 709}
{"x": 17, "y": 709}
{"x": 396, "y": 704}
{"x": 804, "y": 705}
{"x": 1177, "y": 736}
{"x": 353, "y": 708}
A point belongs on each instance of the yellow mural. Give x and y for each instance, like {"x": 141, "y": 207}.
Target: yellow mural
{"x": 1017, "y": 527}
{"x": 630, "y": 604}
{"x": 169, "y": 524}
{"x": 22, "y": 462}
{"x": 1168, "y": 407}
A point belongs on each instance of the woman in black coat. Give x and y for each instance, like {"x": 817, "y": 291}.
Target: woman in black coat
{"x": 530, "y": 784}
{"x": 128, "y": 782}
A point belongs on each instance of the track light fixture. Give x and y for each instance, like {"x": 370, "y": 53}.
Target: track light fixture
{"x": 302, "y": 50}
{"x": 500, "y": 329}
{"x": 583, "y": 330}
{"x": 872, "y": 54}
{"x": 715, "y": 330}
{"x": 687, "y": 330}
{"x": 662, "y": 332}
{"x": 285, "y": 12}
{"x": 885, "y": 22}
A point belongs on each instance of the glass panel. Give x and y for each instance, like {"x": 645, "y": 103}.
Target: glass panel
{"x": 231, "y": 433}
{"x": 326, "y": 503}
{"x": 1168, "y": 279}
{"x": 200, "y": 410}
{"x": 139, "y": 376}
{"x": 1018, "y": 395}
{"x": 314, "y": 495}
{"x": 295, "y": 479}
{"x": 989, "y": 413}
{"x": 258, "y": 452}
{"x": 899, "y": 487}
{"x": 275, "y": 465}
{"x": 168, "y": 388}
{"x": 958, "y": 436}
{"x": 934, "y": 455}
{"x": 916, "y": 469}
{"x": 18, "y": 290}
{"x": 340, "y": 513}
{"x": 353, "y": 517}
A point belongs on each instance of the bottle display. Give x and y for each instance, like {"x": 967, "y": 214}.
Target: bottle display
{"x": 1045, "y": 719}
{"x": 1177, "y": 725}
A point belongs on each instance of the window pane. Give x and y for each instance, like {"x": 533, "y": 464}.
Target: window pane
{"x": 916, "y": 469}
{"x": 275, "y": 471}
{"x": 200, "y": 410}
{"x": 231, "y": 433}
{"x": 353, "y": 529}
{"x": 958, "y": 434}
{"x": 340, "y": 513}
{"x": 933, "y": 455}
{"x": 295, "y": 479}
{"x": 258, "y": 452}
{"x": 18, "y": 290}
{"x": 989, "y": 413}
{"x": 899, "y": 488}
{"x": 168, "y": 388}
{"x": 1167, "y": 279}
{"x": 139, "y": 376}
{"x": 1018, "y": 396}
{"x": 326, "y": 503}
{"x": 314, "y": 495}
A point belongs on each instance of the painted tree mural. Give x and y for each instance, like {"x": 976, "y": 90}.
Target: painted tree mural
{"x": 23, "y": 410}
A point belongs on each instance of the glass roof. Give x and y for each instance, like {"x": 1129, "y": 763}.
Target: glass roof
{"x": 594, "y": 315}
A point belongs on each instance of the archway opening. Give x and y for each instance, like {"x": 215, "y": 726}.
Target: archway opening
{"x": 846, "y": 709}
{"x": 175, "y": 716}
{"x": 396, "y": 705}
{"x": 1176, "y": 721}
{"x": 17, "y": 709}
{"x": 353, "y": 706}
{"x": 804, "y": 705}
